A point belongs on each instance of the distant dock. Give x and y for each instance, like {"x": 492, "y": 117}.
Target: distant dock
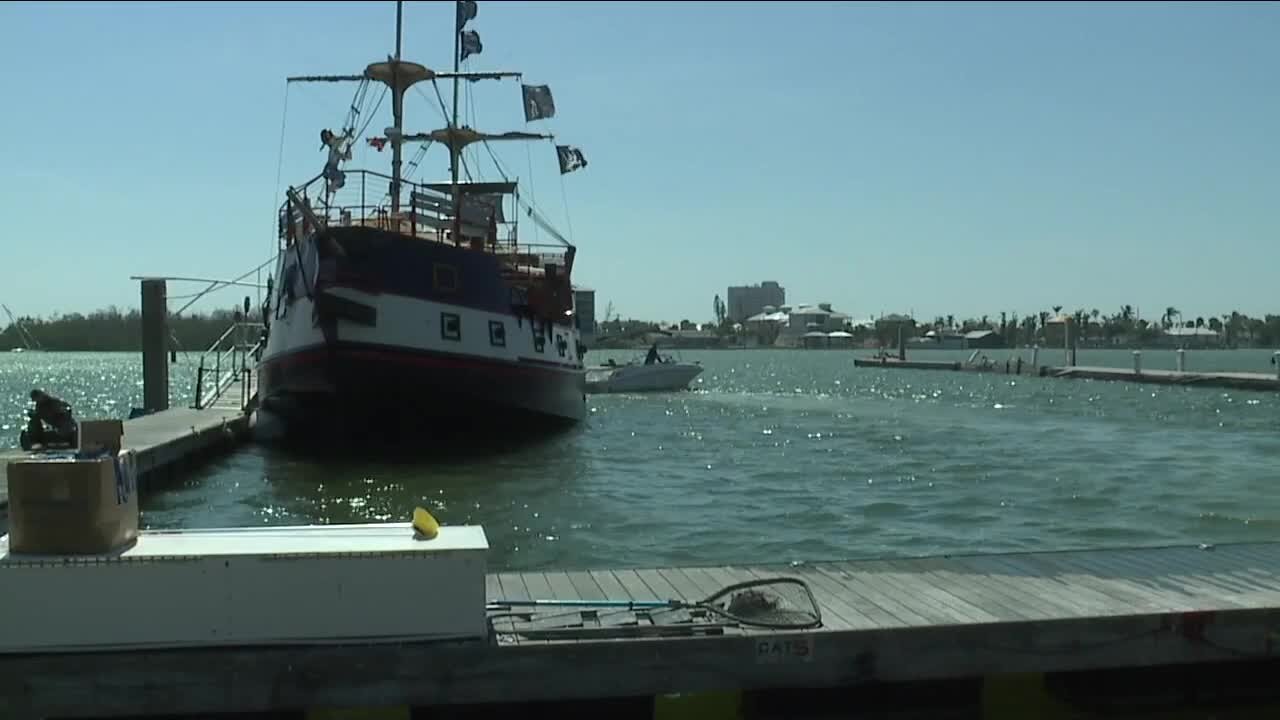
{"x": 1232, "y": 380}
{"x": 1011, "y": 366}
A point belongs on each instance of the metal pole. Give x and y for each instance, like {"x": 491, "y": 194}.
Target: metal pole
{"x": 1137, "y": 362}
{"x": 397, "y": 112}
{"x": 454, "y": 152}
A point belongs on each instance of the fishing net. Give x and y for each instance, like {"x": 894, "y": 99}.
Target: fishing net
{"x": 781, "y": 603}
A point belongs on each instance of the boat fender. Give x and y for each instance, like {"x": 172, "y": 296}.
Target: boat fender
{"x": 424, "y": 525}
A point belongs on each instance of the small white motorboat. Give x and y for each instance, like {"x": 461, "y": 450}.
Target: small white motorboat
{"x": 654, "y": 374}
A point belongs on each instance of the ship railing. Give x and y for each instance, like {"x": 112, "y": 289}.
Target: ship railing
{"x": 228, "y": 360}
{"x": 365, "y": 200}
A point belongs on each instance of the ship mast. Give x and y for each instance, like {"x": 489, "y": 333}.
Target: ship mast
{"x": 397, "y": 114}
{"x": 399, "y": 75}
{"x": 455, "y": 152}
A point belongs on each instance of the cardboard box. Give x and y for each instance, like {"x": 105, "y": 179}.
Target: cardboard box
{"x": 99, "y": 434}
{"x": 64, "y": 505}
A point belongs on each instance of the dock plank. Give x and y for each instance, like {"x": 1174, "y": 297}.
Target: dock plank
{"x": 999, "y": 582}
{"x": 856, "y": 611}
{"x": 496, "y": 588}
{"x": 979, "y": 590}
{"x": 1118, "y": 583}
{"x": 873, "y": 594}
{"x": 609, "y": 585}
{"x": 660, "y": 587}
{"x": 702, "y": 582}
{"x": 922, "y": 602}
{"x": 685, "y": 588}
{"x": 1179, "y": 575}
{"x": 635, "y": 585}
{"x": 961, "y": 601}
{"x": 1070, "y": 579}
{"x": 1054, "y": 579}
{"x": 1253, "y": 564}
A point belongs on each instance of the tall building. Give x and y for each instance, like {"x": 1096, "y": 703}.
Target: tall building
{"x": 584, "y": 307}
{"x": 747, "y": 300}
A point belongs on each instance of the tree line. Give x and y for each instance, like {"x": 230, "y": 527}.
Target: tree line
{"x": 1124, "y": 327}
{"x": 115, "y": 330}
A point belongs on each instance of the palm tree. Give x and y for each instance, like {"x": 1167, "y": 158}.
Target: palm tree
{"x": 1166, "y": 320}
{"x": 951, "y": 321}
{"x": 1199, "y": 322}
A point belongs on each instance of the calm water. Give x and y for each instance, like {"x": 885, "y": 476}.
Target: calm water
{"x": 777, "y": 455}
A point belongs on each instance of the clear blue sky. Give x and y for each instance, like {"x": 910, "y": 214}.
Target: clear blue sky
{"x": 945, "y": 158}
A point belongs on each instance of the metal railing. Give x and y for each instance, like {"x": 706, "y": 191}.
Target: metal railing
{"x": 226, "y": 362}
{"x": 365, "y": 200}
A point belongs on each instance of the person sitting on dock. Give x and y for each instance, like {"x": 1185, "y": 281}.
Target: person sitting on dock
{"x": 56, "y": 414}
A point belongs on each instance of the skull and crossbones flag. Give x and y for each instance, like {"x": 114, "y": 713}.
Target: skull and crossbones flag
{"x": 538, "y": 104}
{"x": 571, "y": 158}
{"x": 471, "y": 44}
{"x": 466, "y": 11}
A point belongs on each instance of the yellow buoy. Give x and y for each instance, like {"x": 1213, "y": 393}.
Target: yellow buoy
{"x": 424, "y": 523}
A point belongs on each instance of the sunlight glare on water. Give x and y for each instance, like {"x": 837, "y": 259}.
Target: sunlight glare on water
{"x": 774, "y": 456}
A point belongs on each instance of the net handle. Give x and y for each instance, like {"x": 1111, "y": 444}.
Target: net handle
{"x": 707, "y": 604}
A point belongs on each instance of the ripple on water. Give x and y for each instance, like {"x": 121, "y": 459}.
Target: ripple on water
{"x": 776, "y": 456}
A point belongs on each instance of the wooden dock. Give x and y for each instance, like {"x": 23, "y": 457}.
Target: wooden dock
{"x": 1232, "y": 380}
{"x": 885, "y": 622}
{"x": 169, "y": 439}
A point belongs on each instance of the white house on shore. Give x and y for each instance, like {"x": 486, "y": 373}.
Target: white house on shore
{"x": 1189, "y": 337}
{"x": 788, "y": 325}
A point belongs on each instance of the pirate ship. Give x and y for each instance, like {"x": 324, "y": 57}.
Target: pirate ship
{"x": 418, "y": 302}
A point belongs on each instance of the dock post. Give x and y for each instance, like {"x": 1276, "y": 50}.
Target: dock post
{"x": 1137, "y": 362}
{"x": 155, "y": 360}
{"x": 902, "y": 346}
{"x": 1275, "y": 360}
{"x": 1035, "y": 356}
{"x": 1182, "y": 360}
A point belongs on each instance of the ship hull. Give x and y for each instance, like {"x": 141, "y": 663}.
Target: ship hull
{"x": 351, "y": 390}
{"x": 377, "y": 348}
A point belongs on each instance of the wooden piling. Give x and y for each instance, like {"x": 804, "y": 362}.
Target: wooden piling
{"x": 155, "y": 336}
